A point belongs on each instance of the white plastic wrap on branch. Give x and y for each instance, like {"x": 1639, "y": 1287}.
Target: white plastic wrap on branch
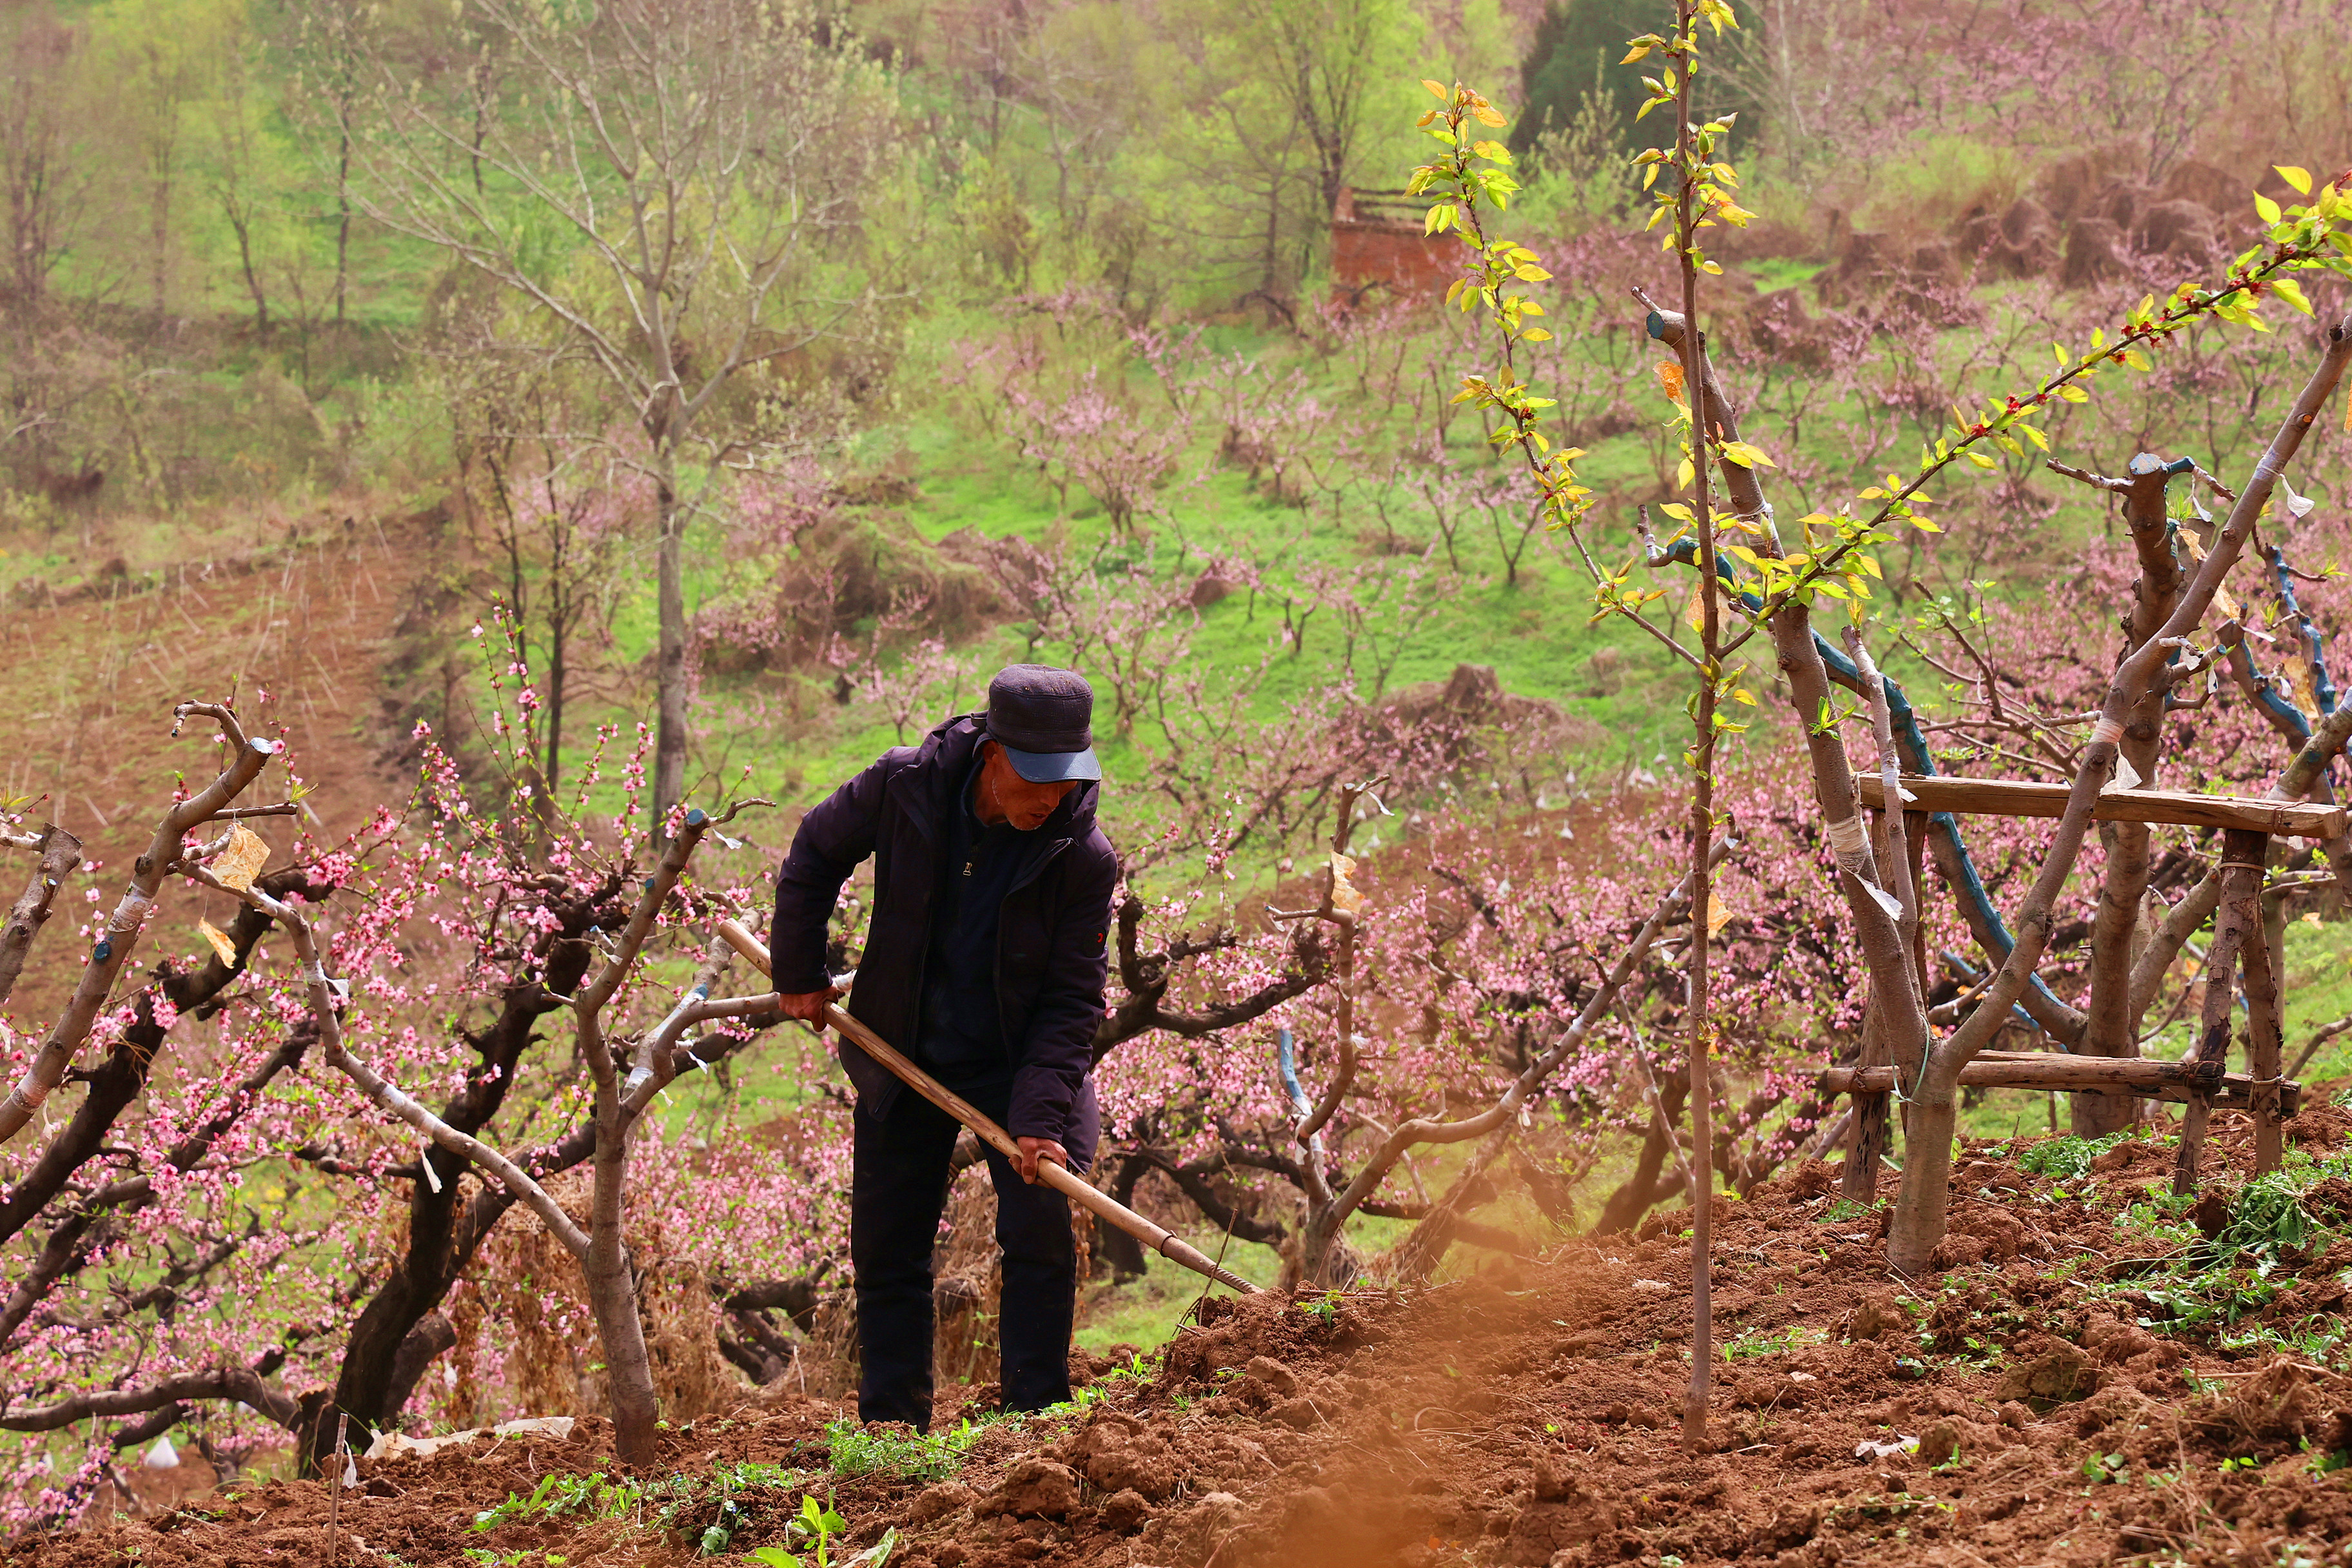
{"x": 131, "y": 912}
{"x": 2109, "y": 731}
{"x": 1846, "y": 843}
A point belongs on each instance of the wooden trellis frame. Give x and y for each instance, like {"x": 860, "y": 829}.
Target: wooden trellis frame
{"x": 2200, "y": 1080}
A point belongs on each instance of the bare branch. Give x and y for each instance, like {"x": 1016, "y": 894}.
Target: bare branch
{"x": 227, "y": 1381}
{"x": 121, "y": 934}
{"x": 60, "y": 853}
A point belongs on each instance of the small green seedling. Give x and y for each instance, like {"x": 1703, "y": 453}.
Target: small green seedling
{"x": 818, "y": 1525}
{"x": 2106, "y": 1470}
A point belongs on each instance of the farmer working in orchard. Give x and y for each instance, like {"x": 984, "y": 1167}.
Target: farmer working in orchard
{"x": 984, "y": 962}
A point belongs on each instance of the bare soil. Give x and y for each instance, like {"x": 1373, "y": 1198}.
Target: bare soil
{"x": 1528, "y": 1416}
{"x": 297, "y": 633}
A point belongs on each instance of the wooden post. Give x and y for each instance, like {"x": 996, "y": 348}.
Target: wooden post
{"x": 2145, "y": 1077}
{"x": 335, "y": 1488}
{"x": 2236, "y": 922}
{"x": 1865, "y": 1138}
{"x": 1914, "y": 840}
{"x": 2019, "y": 797}
{"x": 2263, "y": 1045}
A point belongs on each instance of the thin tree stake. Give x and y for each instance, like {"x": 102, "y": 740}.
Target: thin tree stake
{"x": 335, "y": 1490}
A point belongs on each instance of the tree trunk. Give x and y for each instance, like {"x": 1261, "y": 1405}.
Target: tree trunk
{"x": 2258, "y": 959}
{"x": 2236, "y": 922}
{"x": 1702, "y": 802}
{"x": 552, "y": 773}
{"x": 669, "y": 743}
{"x": 244, "y": 230}
{"x": 612, "y": 1296}
{"x": 1920, "y": 1201}
{"x": 1418, "y": 1255}
{"x": 342, "y": 211}
{"x": 2111, "y": 1026}
{"x": 443, "y": 1236}
{"x": 1113, "y": 1246}
{"x": 1648, "y": 1185}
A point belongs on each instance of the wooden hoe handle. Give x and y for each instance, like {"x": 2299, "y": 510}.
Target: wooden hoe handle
{"x": 1066, "y": 1182}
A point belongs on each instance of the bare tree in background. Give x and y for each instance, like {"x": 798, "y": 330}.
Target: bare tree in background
{"x": 40, "y": 181}
{"x": 712, "y": 162}
{"x": 549, "y": 507}
{"x": 1321, "y": 59}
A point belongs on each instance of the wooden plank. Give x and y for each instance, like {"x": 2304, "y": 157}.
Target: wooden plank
{"x": 2049, "y": 1070}
{"x": 2022, "y": 797}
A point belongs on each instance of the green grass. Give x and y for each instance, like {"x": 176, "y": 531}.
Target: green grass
{"x": 854, "y": 1450}
{"x": 1773, "y": 273}
{"x": 1144, "y": 1311}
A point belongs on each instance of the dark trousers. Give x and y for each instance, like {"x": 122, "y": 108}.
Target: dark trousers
{"x": 897, "y": 1192}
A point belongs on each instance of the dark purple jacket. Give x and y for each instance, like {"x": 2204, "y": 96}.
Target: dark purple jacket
{"x": 1050, "y": 961}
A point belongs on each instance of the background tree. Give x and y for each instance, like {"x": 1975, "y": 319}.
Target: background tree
{"x": 712, "y": 163}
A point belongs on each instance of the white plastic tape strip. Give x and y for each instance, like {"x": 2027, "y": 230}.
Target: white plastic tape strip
{"x": 2107, "y": 729}
{"x": 1846, "y": 842}
{"x": 131, "y": 912}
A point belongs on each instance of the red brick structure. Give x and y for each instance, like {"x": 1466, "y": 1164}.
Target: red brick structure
{"x": 1377, "y": 246}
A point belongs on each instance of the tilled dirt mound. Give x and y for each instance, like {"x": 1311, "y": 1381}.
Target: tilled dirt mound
{"x": 2020, "y": 1407}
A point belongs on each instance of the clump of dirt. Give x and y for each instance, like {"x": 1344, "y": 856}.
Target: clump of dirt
{"x": 2036, "y": 1401}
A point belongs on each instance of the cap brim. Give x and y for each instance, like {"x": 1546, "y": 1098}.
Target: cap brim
{"x": 1055, "y": 767}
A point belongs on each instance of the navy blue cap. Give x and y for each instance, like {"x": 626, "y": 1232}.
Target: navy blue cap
{"x": 1044, "y": 719}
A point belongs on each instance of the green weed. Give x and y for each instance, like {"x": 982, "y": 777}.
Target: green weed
{"x": 681, "y": 1493}
{"x": 2269, "y": 1217}
{"x": 852, "y": 1450}
{"x": 591, "y": 1495}
{"x": 2068, "y": 1158}
{"x": 1756, "y": 1342}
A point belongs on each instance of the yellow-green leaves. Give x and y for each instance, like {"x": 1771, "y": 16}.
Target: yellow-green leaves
{"x": 2265, "y": 208}
{"x": 1745, "y": 455}
{"x": 2299, "y": 178}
